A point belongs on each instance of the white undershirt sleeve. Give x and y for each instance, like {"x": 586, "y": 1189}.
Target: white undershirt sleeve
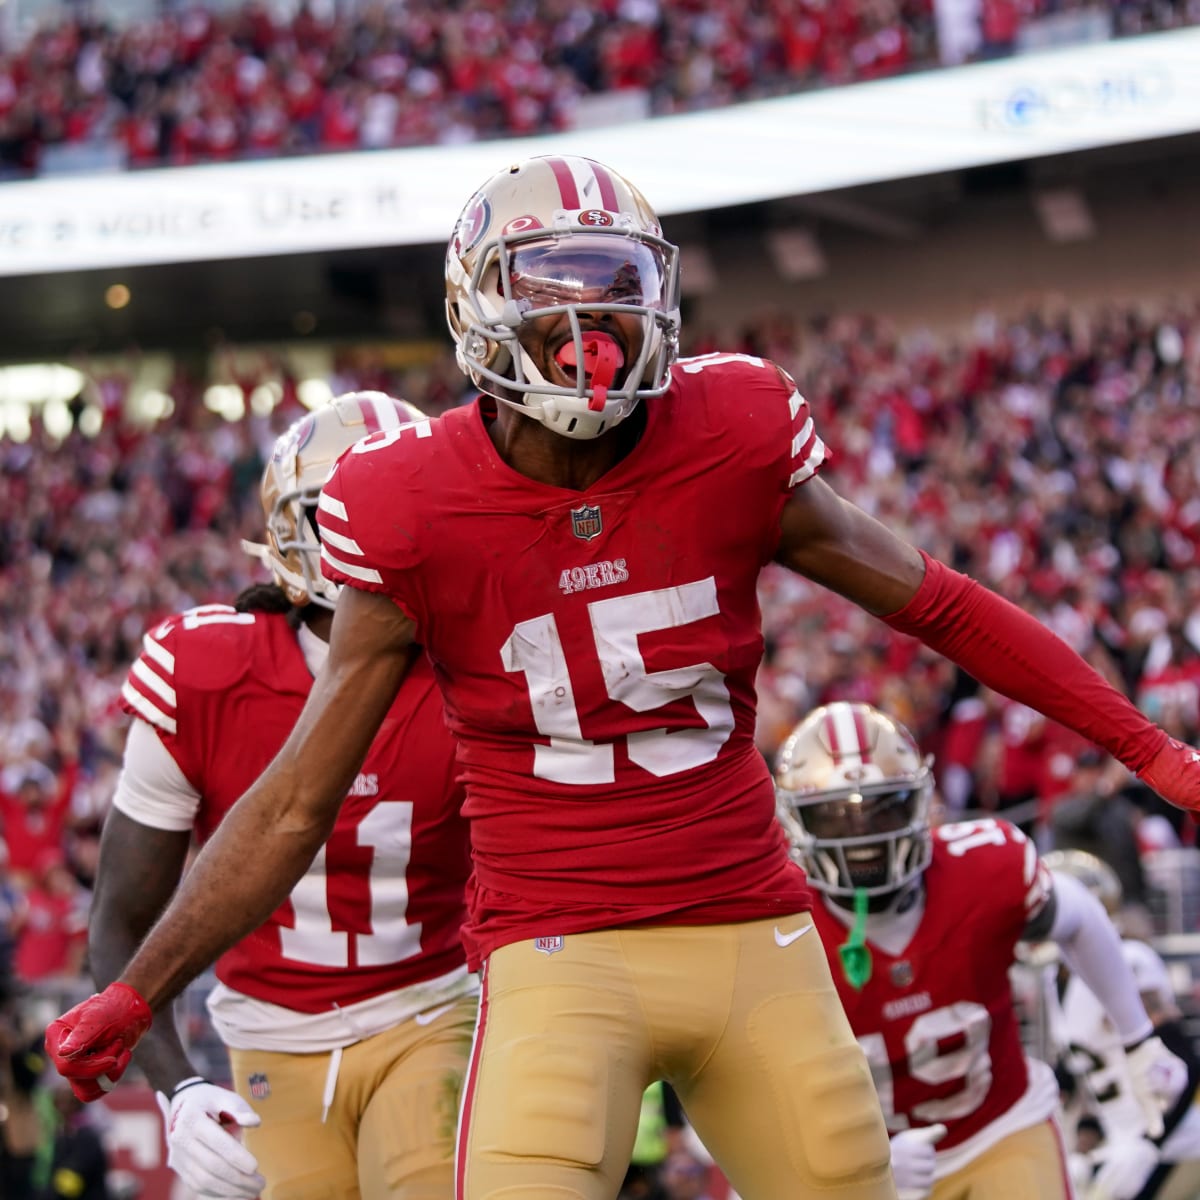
{"x": 1091, "y": 947}
{"x": 151, "y": 788}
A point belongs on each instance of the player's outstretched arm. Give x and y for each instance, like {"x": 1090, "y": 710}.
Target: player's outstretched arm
{"x": 836, "y": 544}
{"x": 140, "y": 868}
{"x": 261, "y": 848}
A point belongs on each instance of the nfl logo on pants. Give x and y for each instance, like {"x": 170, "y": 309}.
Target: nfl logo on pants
{"x": 548, "y": 945}
{"x": 260, "y": 1088}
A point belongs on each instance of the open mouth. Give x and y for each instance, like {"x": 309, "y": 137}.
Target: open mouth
{"x": 602, "y": 356}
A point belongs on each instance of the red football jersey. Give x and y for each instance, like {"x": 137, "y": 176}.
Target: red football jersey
{"x": 597, "y": 649}
{"x": 382, "y": 905}
{"x": 937, "y": 1021}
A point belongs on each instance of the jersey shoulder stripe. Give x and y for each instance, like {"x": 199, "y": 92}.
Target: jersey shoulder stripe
{"x": 201, "y": 650}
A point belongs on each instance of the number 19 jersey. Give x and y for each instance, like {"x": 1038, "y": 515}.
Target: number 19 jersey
{"x": 596, "y": 649}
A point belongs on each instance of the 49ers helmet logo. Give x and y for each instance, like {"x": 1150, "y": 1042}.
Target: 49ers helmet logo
{"x": 473, "y": 223}
{"x": 596, "y": 218}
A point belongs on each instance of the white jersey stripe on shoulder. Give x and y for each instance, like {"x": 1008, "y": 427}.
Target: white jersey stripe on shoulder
{"x": 799, "y": 440}
{"x": 340, "y": 542}
{"x": 146, "y": 709}
{"x": 795, "y": 402}
{"x": 334, "y": 507}
{"x": 157, "y": 651}
{"x": 814, "y": 460}
{"x": 366, "y": 574}
{"x": 156, "y": 683}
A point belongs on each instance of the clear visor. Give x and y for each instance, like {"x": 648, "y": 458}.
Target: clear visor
{"x": 860, "y": 815}
{"x": 587, "y": 269}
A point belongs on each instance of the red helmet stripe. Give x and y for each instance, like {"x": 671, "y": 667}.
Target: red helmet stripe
{"x": 566, "y": 182}
{"x": 860, "y": 729}
{"x": 370, "y": 416}
{"x": 608, "y": 190}
{"x": 832, "y": 733}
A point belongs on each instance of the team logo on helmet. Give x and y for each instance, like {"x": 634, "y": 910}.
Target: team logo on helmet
{"x": 473, "y": 223}
{"x": 295, "y": 439}
{"x": 596, "y": 217}
{"x": 586, "y": 522}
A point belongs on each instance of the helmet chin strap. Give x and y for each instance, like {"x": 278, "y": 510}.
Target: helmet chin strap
{"x": 601, "y": 358}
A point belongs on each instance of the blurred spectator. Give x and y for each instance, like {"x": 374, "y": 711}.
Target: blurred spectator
{"x": 34, "y": 804}
{"x": 1094, "y": 816}
{"x": 79, "y": 1161}
{"x": 51, "y": 922}
{"x": 10, "y": 904}
{"x": 21, "y": 1064}
{"x": 194, "y": 85}
{"x": 685, "y": 1177}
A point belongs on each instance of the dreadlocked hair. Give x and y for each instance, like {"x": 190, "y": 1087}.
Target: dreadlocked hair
{"x": 264, "y": 598}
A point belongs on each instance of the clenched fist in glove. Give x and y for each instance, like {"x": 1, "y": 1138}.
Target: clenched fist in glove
{"x": 913, "y": 1160}
{"x": 91, "y": 1045}
{"x": 1174, "y": 773}
{"x": 1158, "y": 1078}
{"x": 201, "y": 1150}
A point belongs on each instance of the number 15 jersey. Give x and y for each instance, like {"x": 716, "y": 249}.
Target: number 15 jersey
{"x": 597, "y": 649}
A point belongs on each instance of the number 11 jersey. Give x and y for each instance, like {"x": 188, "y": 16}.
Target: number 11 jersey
{"x": 596, "y": 650}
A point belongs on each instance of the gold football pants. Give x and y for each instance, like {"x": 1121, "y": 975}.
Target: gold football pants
{"x": 1030, "y": 1164}
{"x": 742, "y": 1019}
{"x": 389, "y": 1132}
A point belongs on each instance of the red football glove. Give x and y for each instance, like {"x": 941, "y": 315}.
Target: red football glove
{"x": 92, "y": 1044}
{"x": 1174, "y": 773}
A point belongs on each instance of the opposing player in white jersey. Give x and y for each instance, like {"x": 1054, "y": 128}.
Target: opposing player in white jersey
{"x": 348, "y": 1014}
{"x": 920, "y": 925}
{"x": 1130, "y": 1165}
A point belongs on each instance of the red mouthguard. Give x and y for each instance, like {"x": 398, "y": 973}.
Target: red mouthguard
{"x": 601, "y": 358}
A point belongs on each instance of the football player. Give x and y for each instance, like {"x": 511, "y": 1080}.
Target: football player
{"x": 1131, "y": 1164}
{"x": 921, "y": 925}
{"x": 579, "y": 552}
{"x": 348, "y": 1012}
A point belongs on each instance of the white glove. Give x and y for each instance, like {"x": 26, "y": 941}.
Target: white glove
{"x": 201, "y": 1150}
{"x": 913, "y": 1159}
{"x": 1158, "y": 1078}
{"x": 1125, "y": 1165}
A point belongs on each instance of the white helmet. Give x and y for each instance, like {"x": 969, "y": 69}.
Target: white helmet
{"x": 1094, "y": 873}
{"x": 853, "y": 793}
{"x": 302, "y": 458}
{"x": 562, "y": 235}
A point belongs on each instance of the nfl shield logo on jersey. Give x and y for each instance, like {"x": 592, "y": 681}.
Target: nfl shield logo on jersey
{"x": 548, "y": 945}
{"x": 260, "y": 1089}
{"x": 902, "y": 974}
{"x": 585, "y": 522}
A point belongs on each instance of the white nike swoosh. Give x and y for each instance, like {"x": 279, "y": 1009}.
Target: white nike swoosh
{"x": 428, "y": 1017}
{"x": 786, "y": 939}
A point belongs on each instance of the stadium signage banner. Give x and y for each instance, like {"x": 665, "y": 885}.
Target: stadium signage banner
{"x": 1048, "y": 103}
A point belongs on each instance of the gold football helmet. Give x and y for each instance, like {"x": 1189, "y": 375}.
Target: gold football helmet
{"x": 556, "y": 235}
{"x": 301, "y": 461}
{"x": 853, "y": 793}
{"x": 1094, "y": 873}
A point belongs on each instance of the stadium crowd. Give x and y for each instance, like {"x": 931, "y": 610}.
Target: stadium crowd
{"x": 1055, "y": 457}
{"x": 194, "y": 85}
